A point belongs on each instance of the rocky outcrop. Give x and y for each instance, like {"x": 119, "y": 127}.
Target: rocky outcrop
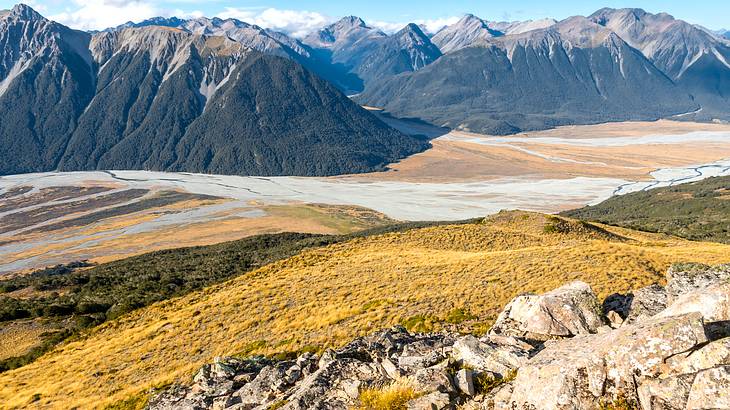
{"x": 564, "y": 312}
{"x": 552, "y": 351}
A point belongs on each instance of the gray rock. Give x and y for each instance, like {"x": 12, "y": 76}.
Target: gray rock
{"x": 646, "y": 302}
{"x": 570, "y": 310}
{"x": 484, "y": 356}
{"x": 710, "y": 390}
{"x": 689, "y": 277}
{"x": 711, "y": 355}
{"x": 713, "y": 302}
{"x": 431, "y": 401}
{"x": 577, "y": 373}
{"x": 334, "y": 386}
{"x": 433, "y": 379}
{"x": 270, "y": 383}
{"x": 464, "y": 381}
{"x": 669, "y": 393}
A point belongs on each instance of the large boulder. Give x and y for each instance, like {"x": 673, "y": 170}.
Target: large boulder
{"x": 689, "y": 277}
{"x": 568, "y": 311}
{"x": 713, "y": 302}
{"x": 580, "y": 372}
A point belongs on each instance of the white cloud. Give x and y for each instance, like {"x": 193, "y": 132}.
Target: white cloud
{"x": 101, "y": 14}
{"x": 293, "y": 22}
{"x": 434, "y": 25}
{"x": 431, "y": 25}
{"x": 41, "y": 8}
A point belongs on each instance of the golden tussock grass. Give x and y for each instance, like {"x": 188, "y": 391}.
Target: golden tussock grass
{"x": 394, "y": 396}
{"x": 325, "y": 297}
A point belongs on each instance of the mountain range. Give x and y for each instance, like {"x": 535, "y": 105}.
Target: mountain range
{"x": 163, "y": 98}
{"x": 224, "y": 96}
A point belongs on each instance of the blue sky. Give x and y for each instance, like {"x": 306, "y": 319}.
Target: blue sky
{"x": 298, "y": 16}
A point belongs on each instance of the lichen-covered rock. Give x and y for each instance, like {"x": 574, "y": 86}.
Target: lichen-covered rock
{"x": 710, "y": 390}
{"x": 668, "y": 394}
{"x": 713, "y": 302}
{"x": 464, "y": 381}
{"x": 334, "y": 386}
{"x": 708, "y": 356}
{"x": 433, "y": 379}
{"x": 646, "y": 302}
{"x": 689, "y": 277}
{"x": 565, "y": 357}
{"x": 576, "y": 373}
{"x": 485, "y": 356}
{"x": 570, "y": 310}
{"x": 431, "y": 401}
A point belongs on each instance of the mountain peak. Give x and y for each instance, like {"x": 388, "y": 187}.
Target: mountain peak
{"x": 412, "y": 28}
{"x": 470, "y": 20}
{"x": 25, "y": 12}
{"x": 350, "y": 22}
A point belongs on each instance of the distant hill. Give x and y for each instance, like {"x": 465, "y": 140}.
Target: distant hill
{"x": 697, "y": 210}
{"x": 162, "y": 98}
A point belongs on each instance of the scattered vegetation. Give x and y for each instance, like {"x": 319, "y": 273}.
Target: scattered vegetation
{"x": 326, "y": 296}
{"x": 621, "y": 403}
{"x": 486, "y": 382}
{"x": 391, "y": 397}
{"x": 697, "y": 211}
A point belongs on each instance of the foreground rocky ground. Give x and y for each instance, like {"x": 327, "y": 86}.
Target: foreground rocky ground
{"x": 656, "y": 348}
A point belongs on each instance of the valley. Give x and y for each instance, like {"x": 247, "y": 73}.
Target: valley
{"x": 301, "y": 211}
{"x": 464, "y": 175}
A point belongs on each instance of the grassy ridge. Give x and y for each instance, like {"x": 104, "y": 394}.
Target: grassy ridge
{"x": 698, "y": 211}
{"x": 453, "y": 276}
{"x": 91, "y": 296}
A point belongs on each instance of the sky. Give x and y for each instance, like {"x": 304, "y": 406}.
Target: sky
{"x": 298, "y": 17}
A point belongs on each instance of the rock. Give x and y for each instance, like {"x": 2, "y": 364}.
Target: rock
{"x": 431, "y": 401}
{"x": 570, "y": 310}
{"x": 501, "y": 340}
{"x": 614, "y": 319}
{"x": 433, "y": 379}
{"x": 270, "y": 383}
{"x": 713, "y": 302}
{"x": 576, "y": 373}
{"x": 390, "y": 369}
{"x": 334, "y": 386}
{"x": 669, "y": 393}
{"x": 710, "y": 390}
{"x": 689, "y": 277}
{"x": 484, "y": 356}
{"x": 646, "y": 302}
{"x": 499, "y": 398}
{"x": 464, "y": 381}
{"x": 708, "y": 356}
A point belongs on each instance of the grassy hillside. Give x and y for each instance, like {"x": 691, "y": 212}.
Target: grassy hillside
{"x": 458, "y": 276}
{"x": 80, "y": 298}
{"x": 697, "y": 211}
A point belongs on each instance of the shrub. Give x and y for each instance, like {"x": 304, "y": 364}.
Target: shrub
{"x": 486, "y": 382}
{"x": 391, "y": 397}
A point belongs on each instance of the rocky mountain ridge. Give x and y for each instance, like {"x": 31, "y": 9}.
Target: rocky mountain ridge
{"x": 576, "y": 71}
{"x": 164, "y": 98}
{"x": 662, "y": 347}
